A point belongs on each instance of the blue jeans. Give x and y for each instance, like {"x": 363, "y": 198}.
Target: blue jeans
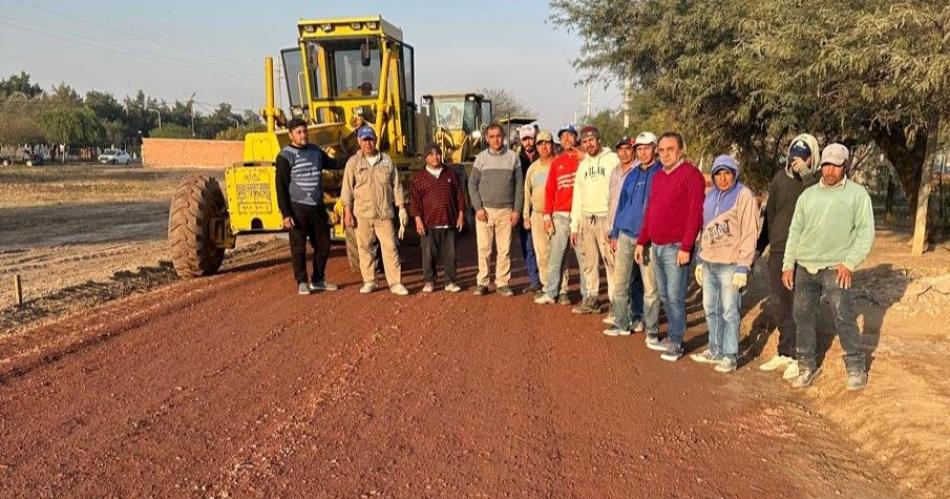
{"x": 557, "y": 261}
{"x": 530, "y": 260}
{"x": 671, "y": 285}
{"x": 627, "y": 301}
{"x": 721, "y": 302}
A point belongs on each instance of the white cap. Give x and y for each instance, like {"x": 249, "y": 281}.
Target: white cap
{"x": 645, "y": 139}
{"x": 835, "y": 154}
{"x": 526, "y": 131}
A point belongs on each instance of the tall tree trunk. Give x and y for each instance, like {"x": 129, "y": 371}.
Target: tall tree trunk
{"x": 908, "y": 160}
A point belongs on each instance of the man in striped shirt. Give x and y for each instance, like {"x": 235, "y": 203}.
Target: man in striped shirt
{"x": 299, "y": 179}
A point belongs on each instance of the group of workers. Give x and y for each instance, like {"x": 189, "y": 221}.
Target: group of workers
{"x": 641, "y": 212}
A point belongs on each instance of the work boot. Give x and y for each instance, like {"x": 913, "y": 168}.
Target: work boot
{"x": 303, "y": 289}
{"x": 806, "y": 376}
{"x": 857, "y": 380}
{"x": 587, "y": 306}
{"x": 532, "y": 289}
{"x": 505, "y": 291}
{"x": 480, "y": 291}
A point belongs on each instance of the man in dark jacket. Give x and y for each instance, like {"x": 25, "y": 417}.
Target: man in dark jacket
{"x": 438, "y": 207}
{"x": 300, "y": 200}
{"x": 784, "y": 189}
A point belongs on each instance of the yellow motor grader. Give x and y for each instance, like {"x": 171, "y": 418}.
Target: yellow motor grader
{"x": 458, "y": 123}
{"x": 341, "y": 75}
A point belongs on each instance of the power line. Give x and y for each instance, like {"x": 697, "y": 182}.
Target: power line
{"x": 132, "y": 34}
{"x": 97, "y": 44}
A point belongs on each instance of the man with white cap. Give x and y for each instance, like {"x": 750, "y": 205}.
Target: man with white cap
{"x": 589, "y": 210}
{"x": 535, "y": 181}
{"x": 371, "y": 187}
{"x": 831, "y": 234}
{"x": 527, "y": 156}
{"x": 636, "y": 302}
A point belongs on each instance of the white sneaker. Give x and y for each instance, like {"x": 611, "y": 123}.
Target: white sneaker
{"x": 428, "y": 288}
{"x": 452, "y": 287}
{"x": 638, "y": 326}
{"x": 399, "y": 289}
{"x": 368, "y": 287}
{"x": 776, "y": 362}
{"x": 544, "y": 300}
{"x": 791, "y": 371}
{"x": 609, "y": 320}
{"x": 616, "y": 331}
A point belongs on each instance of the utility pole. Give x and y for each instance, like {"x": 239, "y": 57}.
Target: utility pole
{"x": 158, "y": 112}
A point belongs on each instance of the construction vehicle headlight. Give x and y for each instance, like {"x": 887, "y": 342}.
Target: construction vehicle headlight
{"x": 477, "y": 135}
{"x": 356, "y": 26}
{"x": 327, "y": 27}
{"x": 372, "y": 25}
{"x": 309, "y": 28}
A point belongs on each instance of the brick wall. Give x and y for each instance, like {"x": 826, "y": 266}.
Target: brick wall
{"x": 190, "y": 152}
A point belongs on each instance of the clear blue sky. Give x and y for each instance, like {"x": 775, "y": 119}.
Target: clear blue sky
{"x": 173, "y": 48}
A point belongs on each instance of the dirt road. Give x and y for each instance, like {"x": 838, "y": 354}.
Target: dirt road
{"x": 233, "y": 386}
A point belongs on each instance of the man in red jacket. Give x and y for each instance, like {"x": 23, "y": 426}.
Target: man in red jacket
{"x": 438, "y": 206}
{"x": 673, "y": 219}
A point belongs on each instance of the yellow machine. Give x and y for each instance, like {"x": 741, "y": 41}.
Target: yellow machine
{"x": 343, "y": 74}
{"x": 458, "y": 122}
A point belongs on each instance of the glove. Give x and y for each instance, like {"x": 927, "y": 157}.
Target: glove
{"x": 403, "y": 221}
{"x": 739, "y": 281}
{"x": 698, "y": 273}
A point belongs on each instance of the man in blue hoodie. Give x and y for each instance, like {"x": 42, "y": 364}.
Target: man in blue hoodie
{"x": 628, "y": 219}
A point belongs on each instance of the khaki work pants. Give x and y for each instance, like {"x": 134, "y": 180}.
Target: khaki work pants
{"x": 496, "y": 232}
{"x": 367, "y": 233}
{"x": 594, "y": 248}
{"x": 542, "y": 250}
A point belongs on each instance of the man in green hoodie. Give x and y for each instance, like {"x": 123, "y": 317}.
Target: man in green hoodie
{"x": 831, "y": 234}
{"x": 784, "y": 189}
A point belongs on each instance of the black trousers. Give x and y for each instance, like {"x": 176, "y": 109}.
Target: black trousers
{"x": 782, "y": 300}
{"x": 438, "y": 244}
{"x": 808, "y": 291}
{"x": 313, "y": 223}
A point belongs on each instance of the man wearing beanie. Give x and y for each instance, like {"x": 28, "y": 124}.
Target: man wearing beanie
{"x": 786, "y": 186}
{"x": 831, "y": 234}
{"x": 726, "y": 252}
{"x": 589, "y": 210}
{"x": 438, "y": 206}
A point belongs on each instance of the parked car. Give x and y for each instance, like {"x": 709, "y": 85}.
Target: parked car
{"x": 19, "y": 156}
{"x": 114, "y": 157}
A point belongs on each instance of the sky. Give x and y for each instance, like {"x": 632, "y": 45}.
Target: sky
{"x": 215, "y": 49}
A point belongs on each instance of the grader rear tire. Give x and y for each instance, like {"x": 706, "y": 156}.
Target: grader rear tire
{"x": 197, "y": 201}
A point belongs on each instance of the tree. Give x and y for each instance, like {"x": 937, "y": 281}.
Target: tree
{"x": 105, "y": 105}
{"x": 504, "y": 103}
{"x": 171, "y": 131}
{"x": 65, "y": 95}
{"x": 749, "y": 74}
{"x": 20, "y": 84}
{"x": 72, "y": 126}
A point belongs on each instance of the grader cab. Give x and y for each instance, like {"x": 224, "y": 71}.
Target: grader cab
{"x": 341, "y": 75}
{"x": 458, "y": 123}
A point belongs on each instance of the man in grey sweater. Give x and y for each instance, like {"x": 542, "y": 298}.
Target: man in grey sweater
{"x": 496, "y": 188}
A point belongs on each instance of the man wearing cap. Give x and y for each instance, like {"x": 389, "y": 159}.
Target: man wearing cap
{"x": 673, "y": 219}
{"x": 558, "y": 196}
{"x": 535, "y": 182}
{"x": 786, "y": 186}
{"x": 299, "y": 182}
{"x": 589, "y": 213}
{"x": 635, "y": 302}
{"x": 371, "y": 188}
{"x": 831, "y": 234}
{"x": 527, "y": 156}
{"x": 496, "y": 190}
{"x": 438, "y": 206}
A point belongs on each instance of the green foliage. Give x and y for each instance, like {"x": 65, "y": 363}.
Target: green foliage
{"x": 171, "y": 131}
{"x": 72, "y": 126}
{"x": 20, "y": 84}
{"x": 238, "y": 133}
{"x": 749, "y": 74}
{"x": 505, "y": 104}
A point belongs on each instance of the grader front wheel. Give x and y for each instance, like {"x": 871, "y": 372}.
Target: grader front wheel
{"x": 197, "y": 203}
